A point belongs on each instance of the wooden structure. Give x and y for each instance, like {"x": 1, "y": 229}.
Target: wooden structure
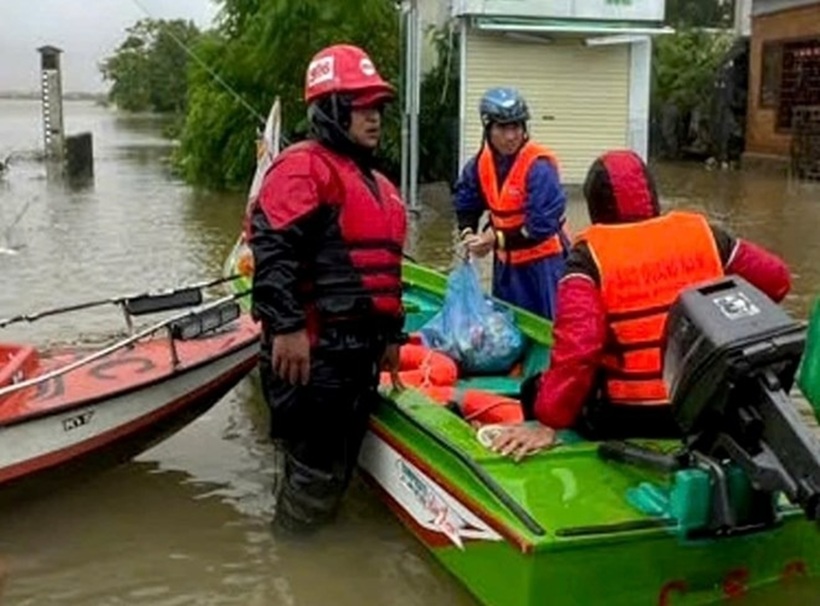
{"x": 784, "y": 81}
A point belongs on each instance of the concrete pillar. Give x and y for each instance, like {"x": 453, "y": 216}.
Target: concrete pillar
{"x": 79, "y": 158}
{"x": 52, "y": 99}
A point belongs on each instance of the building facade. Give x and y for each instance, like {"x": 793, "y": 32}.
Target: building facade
{"x": 784, "y": 73}
{"x": 584, "y": 68}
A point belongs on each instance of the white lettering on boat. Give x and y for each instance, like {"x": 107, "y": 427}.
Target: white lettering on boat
{"x": 430, "y": 505}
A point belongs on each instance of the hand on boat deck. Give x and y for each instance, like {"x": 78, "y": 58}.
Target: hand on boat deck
{"x": 390, "y": 363}
{"x": 518, "y": 441}
{"x": 290, "y": 357}
{"x": 480, "y": 245}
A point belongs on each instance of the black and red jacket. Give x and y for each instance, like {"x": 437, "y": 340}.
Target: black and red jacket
{"x": 327, "y": 235}
{"x": 619, "y": 189}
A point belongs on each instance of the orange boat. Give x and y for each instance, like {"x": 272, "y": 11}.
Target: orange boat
{"x": 59, "y": 407}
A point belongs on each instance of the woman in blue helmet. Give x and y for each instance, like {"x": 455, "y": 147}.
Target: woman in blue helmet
{"x": 517, "y": 181}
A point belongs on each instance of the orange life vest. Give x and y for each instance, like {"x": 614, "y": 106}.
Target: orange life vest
{"x": 643, "y": 267}
{"x": 507, "y": 204}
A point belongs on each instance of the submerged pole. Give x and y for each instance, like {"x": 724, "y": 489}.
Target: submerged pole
{"x": 52, "y": 100}
{"x": 405, "y": 114}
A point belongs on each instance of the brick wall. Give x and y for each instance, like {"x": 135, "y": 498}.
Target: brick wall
{"x": 761, "y": 132}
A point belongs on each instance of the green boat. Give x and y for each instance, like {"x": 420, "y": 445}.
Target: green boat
{"x": 589, "y": 523}
{"x": 557, "y": 528}
{"x": 566, "y": 526}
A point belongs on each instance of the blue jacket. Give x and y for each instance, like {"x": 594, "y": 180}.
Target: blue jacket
{"x": 533, "y": 285}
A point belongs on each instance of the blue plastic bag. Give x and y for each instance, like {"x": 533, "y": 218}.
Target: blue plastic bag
{"x": 471, "y": 328}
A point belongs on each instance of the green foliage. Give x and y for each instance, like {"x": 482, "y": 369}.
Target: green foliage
{"x": 438, "y": 116}
{"x": 685, "y": 66}
{"x": 261, "y": 50}
{"x": 700, "y": 13}
{"x": 148, "y": 70}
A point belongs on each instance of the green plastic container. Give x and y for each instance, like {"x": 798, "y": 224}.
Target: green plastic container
{"x": 809, "y": 378}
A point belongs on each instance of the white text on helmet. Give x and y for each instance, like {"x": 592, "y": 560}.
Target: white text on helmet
{"x": 320, "y": 70}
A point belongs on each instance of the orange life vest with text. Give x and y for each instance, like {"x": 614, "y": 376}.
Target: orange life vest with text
{"x": 643, "y": 267}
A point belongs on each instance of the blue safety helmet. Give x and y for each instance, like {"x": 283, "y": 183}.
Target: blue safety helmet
{"x": 503, "y": 106}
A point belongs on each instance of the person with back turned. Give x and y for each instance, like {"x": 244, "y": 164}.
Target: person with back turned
{"x": 623, "y": 274}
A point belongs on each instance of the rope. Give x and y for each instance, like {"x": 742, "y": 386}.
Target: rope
{"x": 426, "y": 368}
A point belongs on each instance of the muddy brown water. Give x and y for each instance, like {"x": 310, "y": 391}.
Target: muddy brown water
{"x": 187, "y": 521}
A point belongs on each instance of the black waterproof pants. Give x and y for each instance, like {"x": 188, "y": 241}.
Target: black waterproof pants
{"x": 320, "y": 426}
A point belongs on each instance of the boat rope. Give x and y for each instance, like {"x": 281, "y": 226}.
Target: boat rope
{"x": 502, "y": 401}
{"x": 426, "y": 368}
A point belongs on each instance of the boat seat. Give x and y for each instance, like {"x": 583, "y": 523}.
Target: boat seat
{"x": 505, "y": 386}
{"x": 204, "y": 322}
{"x": 17, "y": 363}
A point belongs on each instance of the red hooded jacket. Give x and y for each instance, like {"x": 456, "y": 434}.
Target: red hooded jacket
{"x": 619, "y": 189}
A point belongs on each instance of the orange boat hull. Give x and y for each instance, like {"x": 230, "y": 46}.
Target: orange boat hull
{"x": 121, "y": 403}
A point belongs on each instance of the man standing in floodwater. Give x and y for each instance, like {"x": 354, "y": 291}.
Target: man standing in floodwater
{"x": 327, "y": 237}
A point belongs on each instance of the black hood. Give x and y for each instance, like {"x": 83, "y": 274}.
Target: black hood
{"x": 329, "y": 118}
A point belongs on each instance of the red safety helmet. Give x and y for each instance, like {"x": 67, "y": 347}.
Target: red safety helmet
{"x": 343, "y": 68}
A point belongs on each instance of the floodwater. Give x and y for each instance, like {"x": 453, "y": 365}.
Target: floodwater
{"x": 187, "y": 522}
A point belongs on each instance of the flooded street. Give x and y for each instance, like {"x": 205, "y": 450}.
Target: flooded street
{"x": 187, "y": 522}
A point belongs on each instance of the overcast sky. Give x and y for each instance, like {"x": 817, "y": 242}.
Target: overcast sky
{"x": 86, "y": 30}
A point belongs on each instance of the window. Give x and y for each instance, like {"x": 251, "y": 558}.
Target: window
{"x": 799, "y": 80}
{"x": 772, "y": 61}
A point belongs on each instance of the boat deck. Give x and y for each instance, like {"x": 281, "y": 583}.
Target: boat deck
{"x": 129, "y": 368}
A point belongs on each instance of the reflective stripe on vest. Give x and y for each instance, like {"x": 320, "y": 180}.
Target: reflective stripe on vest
{"x": 507, "y": 204}
{"x": 550, "y": 246}
{"x": 643, "y": 267}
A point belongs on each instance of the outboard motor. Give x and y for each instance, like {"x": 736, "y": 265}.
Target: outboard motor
{"x": 730, "y": 359}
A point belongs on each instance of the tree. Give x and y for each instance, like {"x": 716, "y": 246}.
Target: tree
{"x": 438, "y": 115}
{"x": 685, "y": 67}
{"x": 700, "y": 13}
{"x": 261, "y": 50}
{"x": 149, "y": 69}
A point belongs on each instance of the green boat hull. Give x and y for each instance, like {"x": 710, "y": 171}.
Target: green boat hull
{"x": 557, "y": 528}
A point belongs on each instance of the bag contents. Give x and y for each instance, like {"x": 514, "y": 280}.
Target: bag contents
{"x": 471, "y": 328}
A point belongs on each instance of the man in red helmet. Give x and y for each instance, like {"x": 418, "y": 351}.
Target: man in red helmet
{"x": 623, "y": 274}
{"x": 327, "y": 237}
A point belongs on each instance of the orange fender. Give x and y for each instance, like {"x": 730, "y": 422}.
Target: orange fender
{"x": 487, "y": 408}
{"x": 442, "y": 394}
{"x": 477, "y": 406}
{"x": 420, "y": 366}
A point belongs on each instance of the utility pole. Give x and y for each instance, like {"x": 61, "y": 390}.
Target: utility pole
{"x": 411, "y": 21}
